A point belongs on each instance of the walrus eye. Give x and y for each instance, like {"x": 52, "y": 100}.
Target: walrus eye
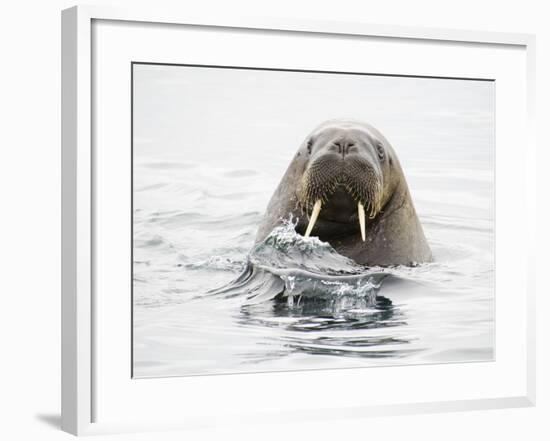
{"x": 309, "y": 146}
{"x": 380, "y": 151}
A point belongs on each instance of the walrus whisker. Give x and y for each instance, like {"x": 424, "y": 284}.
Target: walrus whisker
{"x": 324, "y": 177}
{"x": 313, "y": 218}
{"x": 373, "y": 209}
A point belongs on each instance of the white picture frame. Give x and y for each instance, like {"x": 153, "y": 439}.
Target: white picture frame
{"x": 85, "y": 380}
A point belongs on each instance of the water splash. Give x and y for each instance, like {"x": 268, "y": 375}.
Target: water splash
{"x": 304, "y": 272}
{"x": 284, "y": 248}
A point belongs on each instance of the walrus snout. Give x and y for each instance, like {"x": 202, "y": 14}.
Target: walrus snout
{"x": 344, "y": 183}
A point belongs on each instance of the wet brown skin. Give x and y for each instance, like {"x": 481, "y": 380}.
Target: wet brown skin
{"x": 342, "y": 163}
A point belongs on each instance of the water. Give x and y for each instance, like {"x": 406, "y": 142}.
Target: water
{"x": 206, "y": 300}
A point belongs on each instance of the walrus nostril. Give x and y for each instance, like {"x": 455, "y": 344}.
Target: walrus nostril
{"x": 343, "y": 147}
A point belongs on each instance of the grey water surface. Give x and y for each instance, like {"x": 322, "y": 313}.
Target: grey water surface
{"x": 210, "y": 146}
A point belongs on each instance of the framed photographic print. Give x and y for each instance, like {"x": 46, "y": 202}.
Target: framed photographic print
{"x": 304, "y": 220}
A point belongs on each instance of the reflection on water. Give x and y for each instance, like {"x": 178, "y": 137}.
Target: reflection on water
{"x": 311, "y": 315}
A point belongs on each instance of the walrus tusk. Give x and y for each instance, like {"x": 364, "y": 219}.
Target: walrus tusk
{"x": 313, "y": 218}
{"x": 361, "y": 212}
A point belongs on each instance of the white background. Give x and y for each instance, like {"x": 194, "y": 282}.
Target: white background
{"x": 121, "y": 399}
{"x": 30, "y": 219}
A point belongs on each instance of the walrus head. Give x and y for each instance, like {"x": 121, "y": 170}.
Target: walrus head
{"x": 345, "y": 185}
{"x": 347, "y": 178}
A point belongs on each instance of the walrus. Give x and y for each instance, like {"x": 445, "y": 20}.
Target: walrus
{"x": 345, "y": 185}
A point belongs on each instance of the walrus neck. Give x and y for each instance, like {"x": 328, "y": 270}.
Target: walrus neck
{"x": 399, "y": 197}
